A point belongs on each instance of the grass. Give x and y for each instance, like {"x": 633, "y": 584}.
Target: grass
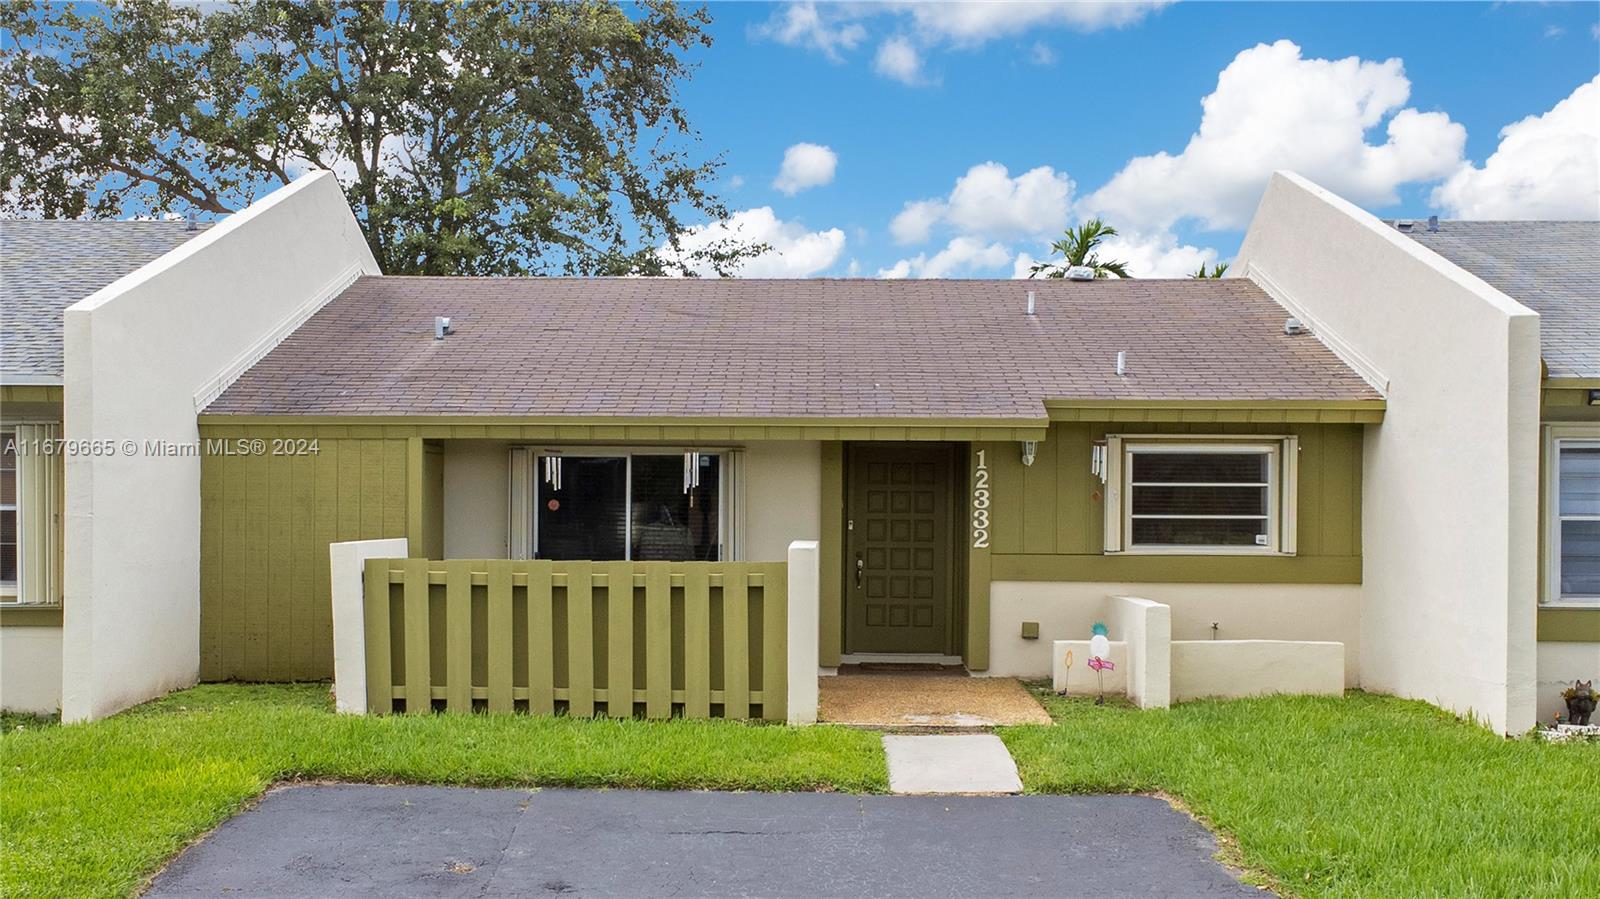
{"x": 1361, "y": 796}
{"x": 92, "y": 810}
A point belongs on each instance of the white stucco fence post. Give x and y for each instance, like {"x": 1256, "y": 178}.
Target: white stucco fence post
{"x": 805, "y": 578}
{"x": 346, "y": 561}
{"x": 1146, "y": 626}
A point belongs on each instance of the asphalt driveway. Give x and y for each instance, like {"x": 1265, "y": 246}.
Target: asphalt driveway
{"x": 352, "y": 840}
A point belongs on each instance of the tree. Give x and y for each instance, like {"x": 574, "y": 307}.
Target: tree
{"x": 1077, "y": 248}
{"x": 1216, "y": 271}
{"x": 492, "y": 137}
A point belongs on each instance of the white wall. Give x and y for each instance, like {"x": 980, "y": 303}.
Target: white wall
{"x": 1065, "y": 611}
{"x": 1225, "y": 669}
{"x": 1146, "y": 626}
{"x": 1559, "y": 665}
{"x": 779, "y": 498}
{"x": 1449, "y": 492}
{"x": 30, "y": 669}
{"x": 142, "y": 355}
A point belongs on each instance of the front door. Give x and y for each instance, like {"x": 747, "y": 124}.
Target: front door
{"x": 898, "y": 560}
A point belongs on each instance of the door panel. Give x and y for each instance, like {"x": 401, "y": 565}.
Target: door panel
{"x": 898, "y": 558}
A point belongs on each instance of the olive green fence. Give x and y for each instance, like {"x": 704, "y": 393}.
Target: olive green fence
{"x": 697, "y": 639}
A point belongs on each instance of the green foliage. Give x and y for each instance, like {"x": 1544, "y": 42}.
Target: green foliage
{"x": 491, "y": 138}
{"x": 91, "y": 810}
{"x": 1361, "y": 796}
{"x": 1216, "y": 271}
{"x": 1078, "y": 247}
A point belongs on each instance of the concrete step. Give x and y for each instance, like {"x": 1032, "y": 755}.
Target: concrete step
{"x": 950, "y": 764}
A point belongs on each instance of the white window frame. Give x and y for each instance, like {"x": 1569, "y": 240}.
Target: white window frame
{"x": 1282, "y": 452}
{"x": 1558, "y": 437}
{"x": 523, "y": 523}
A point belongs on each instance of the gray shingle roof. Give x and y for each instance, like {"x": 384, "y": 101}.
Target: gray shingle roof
{"x": 1552, "y": 268}
{"x": 46, "y": 266}
{"x": 824, "y": 348}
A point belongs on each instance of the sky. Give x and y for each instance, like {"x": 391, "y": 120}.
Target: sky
{"x": 959, "y": 139}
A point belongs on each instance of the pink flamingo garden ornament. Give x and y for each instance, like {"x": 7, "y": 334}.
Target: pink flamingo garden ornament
{"x": 1100, "y": 659}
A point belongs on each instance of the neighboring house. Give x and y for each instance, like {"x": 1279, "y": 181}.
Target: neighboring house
{"x": 982, "y": 462}
{"x": 46, "y": 266}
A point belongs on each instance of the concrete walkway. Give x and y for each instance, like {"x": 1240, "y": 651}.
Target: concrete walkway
{"x": 350, "y": 840}
{"x": 924, "y": 764}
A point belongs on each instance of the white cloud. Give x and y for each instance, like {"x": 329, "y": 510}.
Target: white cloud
{"x": 1546, "y": 167}
{"x": 898, "y": 59}
{"x": 803, "y": 25}
{"x": 833, "y": 29}
{"x": 805, "y": 166}
{"x": 963, "y": 255}
{"x": 795, "y": 252}
{"x": 1274, "y": 109}
{"x": 1154, "y": 255}
{"x": 915, "y": 222}
{"x": 987, "y": 201}
{"x": 1040, "y": 54}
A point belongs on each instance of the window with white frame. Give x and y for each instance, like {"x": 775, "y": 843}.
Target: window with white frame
{"x": 30, "y": 501}
{"x": 611, "y": 505}
{"x": 9, "y": 543}
{"x": 1211, "y": 495}
{"x": 1576, "y": 541}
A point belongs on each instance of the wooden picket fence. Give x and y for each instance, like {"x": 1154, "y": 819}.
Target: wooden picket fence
{"x": 697, "y": 639}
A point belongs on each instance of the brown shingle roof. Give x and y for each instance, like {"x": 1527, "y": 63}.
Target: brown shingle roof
{"x": 954, "y": 349}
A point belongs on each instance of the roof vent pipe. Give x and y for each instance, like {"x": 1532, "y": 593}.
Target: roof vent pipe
{"x": 1030, "y": 302}
{"x": 441, "y": 326}
{"x": 1433, "y": 223}
{"x": 1122, "y": 362}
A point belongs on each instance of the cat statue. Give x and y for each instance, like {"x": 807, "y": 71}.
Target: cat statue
{"x": 1580, "y": 702}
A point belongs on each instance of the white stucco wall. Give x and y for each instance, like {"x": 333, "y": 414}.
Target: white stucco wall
{"x": 141, "y": 356}
{"x": 1559, "y": 665}
{"x": 1066, "y": 611}
{"x": 1449, "y": 492}
{"x": 1226, "y": 669}
{"x": 778, "y": 498}
{"x": 30, "y": 669}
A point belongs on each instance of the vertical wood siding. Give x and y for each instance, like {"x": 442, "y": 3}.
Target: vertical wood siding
{"x": 266, "y": 521}
{"x": 656, "y": 639}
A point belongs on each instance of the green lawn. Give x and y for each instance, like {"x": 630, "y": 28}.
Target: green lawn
{"x": 1360, "y": 796}
{"x": 91, "y": 810}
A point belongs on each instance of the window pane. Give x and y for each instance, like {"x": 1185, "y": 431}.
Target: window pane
{"x": 670, "y": 524}
{"x": 8, "y": 469}
{"x": 1199, "y": 500}
{"x": 1580, "y": 558}
{"x": 8, "y": 546}
{"x": 1208, "y": 468}
{"x": 583, "y": 520}
{"x": 1580, "y": 480}
{"x": 1199, "y": 532}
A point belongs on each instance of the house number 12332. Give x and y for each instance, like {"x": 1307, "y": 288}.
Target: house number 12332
{"x": 980, "y": 502}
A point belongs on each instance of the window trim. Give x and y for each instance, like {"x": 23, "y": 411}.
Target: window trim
{"x": 523, "y": 521}
{"x": 1556, "y": 437}
{"x": 11, "y": 591}
{"x": 1282, "y": 483}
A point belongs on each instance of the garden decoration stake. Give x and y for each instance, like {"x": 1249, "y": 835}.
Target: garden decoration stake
{"x": 1100, "y": 659}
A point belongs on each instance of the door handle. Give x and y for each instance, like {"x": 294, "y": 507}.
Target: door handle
{"x": 860, "y": 565}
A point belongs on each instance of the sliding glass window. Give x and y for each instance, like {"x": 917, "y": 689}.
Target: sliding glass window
{"x": 629, "y": 506}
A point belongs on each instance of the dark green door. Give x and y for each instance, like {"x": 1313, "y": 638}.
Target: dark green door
{"x": 898, "y": 560}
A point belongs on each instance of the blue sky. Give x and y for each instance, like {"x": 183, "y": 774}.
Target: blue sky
{"x": 909, "y": 100}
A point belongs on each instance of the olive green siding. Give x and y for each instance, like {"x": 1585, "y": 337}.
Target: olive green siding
{"x": 265, "y": 524}
{"x": 1569, "y": 625}
{"x": 1049, "y": 518}
{"x": 659, "y": 639}
{"x": 1567, "y": 400}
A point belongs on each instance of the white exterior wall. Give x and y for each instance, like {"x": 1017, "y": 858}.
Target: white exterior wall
{"x": 778, "y": 498}
{"x": 142, "y": 355}
{"x": 1449, "y": 493}
{"x": 1559, "y": 665}
{"x": 30, "y": 669}
{"x": 1066, "y": 611}
{"x": 1226, "y": 669}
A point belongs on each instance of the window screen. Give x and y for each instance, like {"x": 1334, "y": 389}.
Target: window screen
{"x": 1578, "y": 508}
{"x": 1200, "y": 498}
{"x": 585, "y": 518}
{"x": 674, "y": 520}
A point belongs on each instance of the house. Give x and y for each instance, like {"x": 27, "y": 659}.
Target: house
{"x": 45, "y": 267}
{"x": 1339, "y": 448}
